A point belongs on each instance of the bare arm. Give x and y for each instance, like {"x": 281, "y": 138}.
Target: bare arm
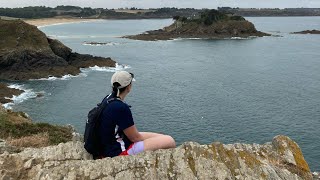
{"x": 133, "y": 134}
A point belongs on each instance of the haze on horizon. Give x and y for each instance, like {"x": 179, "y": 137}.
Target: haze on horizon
{"x": 166, "y": 3}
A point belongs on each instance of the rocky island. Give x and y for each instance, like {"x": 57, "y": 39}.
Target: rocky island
{"x": 210, "y": 24}
{"x": 27, "y": 53}
{"x": 308, "y": 32}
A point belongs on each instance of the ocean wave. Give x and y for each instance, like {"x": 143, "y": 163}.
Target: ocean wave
{"x": 119, "y": 67}
{"x": 276, "y": 35}
{"x": 27, "y": 94}
{"x": 195, "y": 38}
{"x": 84, "y": 71}
{"x": 241, "y": 38}
{"x": 101, "y": 43}
{"x": 56, "y": 36}
{"x": 232, "y": 38}
{"x": 179, "y": 39}
{"x": 236, "y": 38}
{"x": 79, "y": 36}
{"x": 65, "y": 77}
{"x": 275, "y": 31}
{"x": 68, "y": 37}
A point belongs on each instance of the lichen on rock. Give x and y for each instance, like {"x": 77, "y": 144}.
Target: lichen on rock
{"x": 188, "y": 161}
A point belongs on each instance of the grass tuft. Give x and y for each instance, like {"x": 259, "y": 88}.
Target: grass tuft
{"x": 18, "y": 133}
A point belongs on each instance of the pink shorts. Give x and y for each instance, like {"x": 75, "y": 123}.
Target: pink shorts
{"x": 134, "y": 148}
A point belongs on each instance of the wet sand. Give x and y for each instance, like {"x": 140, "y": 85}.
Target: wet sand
{"x": 53, "y": 21}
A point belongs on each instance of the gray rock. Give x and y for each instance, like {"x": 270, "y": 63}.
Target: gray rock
{"x": 4, "y": 147}
{"x": 188, "y": 161}
{"x": 316, "y": 175}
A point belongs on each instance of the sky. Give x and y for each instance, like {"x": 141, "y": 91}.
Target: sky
{"x": 165, "y": 3}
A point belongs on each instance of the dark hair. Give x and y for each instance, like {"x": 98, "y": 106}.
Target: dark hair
{"x": 115, "y": 89}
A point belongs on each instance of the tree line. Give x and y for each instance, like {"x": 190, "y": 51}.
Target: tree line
{"x": 75, "y": 11}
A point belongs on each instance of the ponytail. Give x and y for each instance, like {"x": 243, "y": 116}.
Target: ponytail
{"x": 115, "y": 89}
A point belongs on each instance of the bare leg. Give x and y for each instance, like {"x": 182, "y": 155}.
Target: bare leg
{"x": 154, "y": 141}
{"x": 147, "y": 135}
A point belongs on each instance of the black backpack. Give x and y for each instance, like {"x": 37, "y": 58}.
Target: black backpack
{"x": 91, "y": 137}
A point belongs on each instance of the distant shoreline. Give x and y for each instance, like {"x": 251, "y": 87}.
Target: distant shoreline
{"x": 88, "y": 13}
{"x": 55, "y": 21}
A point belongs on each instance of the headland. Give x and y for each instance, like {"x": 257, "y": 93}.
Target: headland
{"x": 27, "y": 53}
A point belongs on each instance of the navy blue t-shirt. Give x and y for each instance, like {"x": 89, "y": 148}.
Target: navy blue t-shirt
{"x": 115, "y": 118}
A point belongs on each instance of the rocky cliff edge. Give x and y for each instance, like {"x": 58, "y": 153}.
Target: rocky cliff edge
{"x": 279, "y": 159}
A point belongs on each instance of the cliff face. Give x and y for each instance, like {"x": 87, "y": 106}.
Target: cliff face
{"x": 26, "y": 53}
{"x": 281, "y": 159}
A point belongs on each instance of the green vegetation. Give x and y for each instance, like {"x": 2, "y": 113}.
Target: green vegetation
{"x": 272, "y": 11}
{"x": 68, "y": 8}
{"x": 47, "y": 12}
{"x": 18, "y": 34}
{"x": 166, "y": 12}
{"x": 10, "y": 128}
{"x": 112, "y": 13}
{"x": 28, "y": 12}
{"x": 208, "y": 17}
{"x": 237, "y": 18}
{"x": 176, "y": 18}
{"x": 170, "y": 12}
{"x": 75, "y": 11}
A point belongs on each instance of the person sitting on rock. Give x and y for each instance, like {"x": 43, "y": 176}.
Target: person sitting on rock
{"x": 118, "y": 133}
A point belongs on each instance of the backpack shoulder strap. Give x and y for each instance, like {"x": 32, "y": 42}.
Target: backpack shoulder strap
{"x": 113, "y": 99}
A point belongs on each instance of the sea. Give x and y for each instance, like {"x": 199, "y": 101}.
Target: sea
{"x": 229, "y": 90}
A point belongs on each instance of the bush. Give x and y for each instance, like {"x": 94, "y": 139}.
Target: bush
{"x": 208, "y": 17}
{"x": 28, "y": 12}
{"x": 55, "y": 134}
{"x": 176, "y": 18}
{"x": 237, "y": 18}
{"x": 183, "y": 19}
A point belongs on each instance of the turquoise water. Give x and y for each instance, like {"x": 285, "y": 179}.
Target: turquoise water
{"x": 198, "y": 90}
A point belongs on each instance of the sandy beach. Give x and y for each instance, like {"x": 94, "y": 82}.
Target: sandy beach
{"x": 53, "y": 21}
